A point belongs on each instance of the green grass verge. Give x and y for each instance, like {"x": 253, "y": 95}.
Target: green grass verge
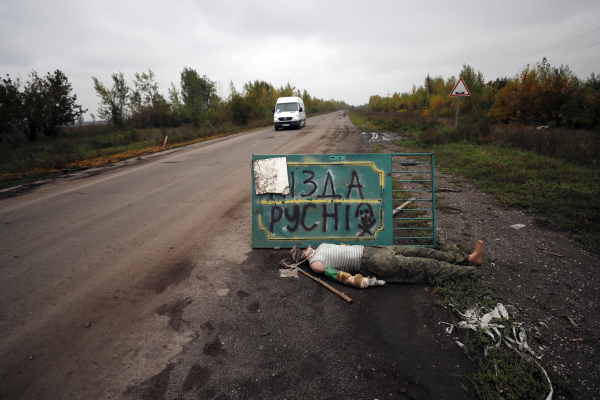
{"x": 555, "y": 192}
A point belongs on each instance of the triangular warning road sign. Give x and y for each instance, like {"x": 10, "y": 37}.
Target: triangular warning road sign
{"x": 460, "y": 89}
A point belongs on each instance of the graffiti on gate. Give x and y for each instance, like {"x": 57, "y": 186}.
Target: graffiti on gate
{"x": 326, "y": 201}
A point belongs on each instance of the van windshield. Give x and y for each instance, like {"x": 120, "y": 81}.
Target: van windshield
{"x": 281, "y": 107}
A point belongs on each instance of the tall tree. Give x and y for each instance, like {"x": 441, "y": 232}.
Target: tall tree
{"x": 199, "y": 95}
{"x": 146, "y": 89}
{"x": 114, "y": 106}
{"x": 12, "y": 116}
{"x": 148, "y": 105}
{"x": 60, "y": 109}
{"x": 34, "y": 104}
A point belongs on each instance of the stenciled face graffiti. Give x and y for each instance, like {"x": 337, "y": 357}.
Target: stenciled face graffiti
{"x": 364, "y": 212}
{"x": 326, "y": 203}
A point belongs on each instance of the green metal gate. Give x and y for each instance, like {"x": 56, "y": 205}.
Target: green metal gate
{"x": 347, "y": 198}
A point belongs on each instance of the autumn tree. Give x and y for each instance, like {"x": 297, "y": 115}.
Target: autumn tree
{"x": 535, "y": 95}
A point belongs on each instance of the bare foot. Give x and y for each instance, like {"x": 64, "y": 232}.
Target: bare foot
{"x": 477, "y": 255}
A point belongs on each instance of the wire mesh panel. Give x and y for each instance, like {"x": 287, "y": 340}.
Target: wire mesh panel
{"x": 413, "y": 198}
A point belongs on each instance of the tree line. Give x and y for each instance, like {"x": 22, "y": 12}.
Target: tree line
{"x": 45, "y": 104}
{"x": 541, "y": 94}
{"x": 196, "y": 101}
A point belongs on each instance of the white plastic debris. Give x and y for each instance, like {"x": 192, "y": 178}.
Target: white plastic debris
{"x": 288, "y": 273}
{"x": 489, "y": 323}
{"x": 517, "y": 226}
{"x": 448, "y": 329}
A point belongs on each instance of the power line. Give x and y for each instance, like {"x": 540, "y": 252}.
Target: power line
{"x": 595, "y": 44}
{"x": 570, "y": 40}
{"x": 587, "y": 47}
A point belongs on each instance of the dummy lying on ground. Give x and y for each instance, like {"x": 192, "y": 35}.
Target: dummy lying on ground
{"x": 351, "y": 264}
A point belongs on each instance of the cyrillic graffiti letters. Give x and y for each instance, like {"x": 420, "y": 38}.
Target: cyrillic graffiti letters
{"x": 295, "y": 217}
{"x": 275, "y": 219}
{"x": 303, "y": 219}
{"x": 334, "y": 215}
{"x": 359, "y": 216}
{"x": 329, "y": 183}
{"x": 352, "y": 185}
{"x": 310, "y": 181}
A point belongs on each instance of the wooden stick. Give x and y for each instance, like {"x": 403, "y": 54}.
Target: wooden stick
{"x": 447, "y": 190}
{"x": 403, "y": 206}
{"x": 452, "y": 317}
{"x": 342, "y": 295}
{"x": 449, "y": 208}
{"x": 547, "y": 252}
{"x": 571, "y": 321}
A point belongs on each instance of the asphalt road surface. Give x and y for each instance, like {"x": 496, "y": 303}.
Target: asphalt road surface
{"x": 138, "y": 281}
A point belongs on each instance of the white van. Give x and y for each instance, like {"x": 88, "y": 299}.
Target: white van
{"x": 289, "y": 112}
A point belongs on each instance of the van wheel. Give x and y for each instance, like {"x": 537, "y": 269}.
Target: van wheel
{"x": 276, "y": 128}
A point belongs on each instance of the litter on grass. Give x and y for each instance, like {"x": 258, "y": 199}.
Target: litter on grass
{"x": 490, "y": 323}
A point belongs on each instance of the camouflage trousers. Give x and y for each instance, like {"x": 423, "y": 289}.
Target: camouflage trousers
{"x": 404, "y": 264}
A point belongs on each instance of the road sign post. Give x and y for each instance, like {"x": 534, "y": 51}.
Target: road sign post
{"x": 460, "y": 90}
{"x": 457, "y": 109}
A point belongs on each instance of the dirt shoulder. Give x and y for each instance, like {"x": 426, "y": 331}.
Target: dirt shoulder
{"x": 543, "y": 277}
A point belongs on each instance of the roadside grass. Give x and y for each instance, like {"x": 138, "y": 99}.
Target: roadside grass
{"x": 556, "y": 192}
{"x": 559, "y": 183}
{"x": 96, "y": 145}
{"x": 371, "y": 121}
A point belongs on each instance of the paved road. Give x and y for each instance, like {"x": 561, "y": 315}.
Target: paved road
{"x": 139, "y": 282}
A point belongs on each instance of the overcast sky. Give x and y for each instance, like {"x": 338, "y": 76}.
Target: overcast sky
{"x": 345, "y": 50}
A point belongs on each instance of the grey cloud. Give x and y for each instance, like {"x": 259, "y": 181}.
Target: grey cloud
{"x": 346, "y": 50}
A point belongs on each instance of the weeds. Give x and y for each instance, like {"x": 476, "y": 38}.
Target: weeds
{"x": 554, "y": 191}
{"x": 503, "y": 374}
{"x": 465, "y": 293}
{"x": 96, "y": 145}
